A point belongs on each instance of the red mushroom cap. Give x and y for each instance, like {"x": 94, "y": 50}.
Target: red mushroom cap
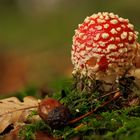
{"x": 104, "y": 42}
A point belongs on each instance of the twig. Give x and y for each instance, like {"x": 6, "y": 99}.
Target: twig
{"x": 109, "y": 93}
{"x": 18, "y": 110}
{"x": 116, "y": 96}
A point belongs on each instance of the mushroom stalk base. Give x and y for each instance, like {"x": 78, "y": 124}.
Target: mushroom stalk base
{"x": 126, "y": 84}
{"x": 91, "y": 84}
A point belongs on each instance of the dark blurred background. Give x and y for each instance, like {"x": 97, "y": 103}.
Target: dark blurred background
{"x": 36, "y": 37}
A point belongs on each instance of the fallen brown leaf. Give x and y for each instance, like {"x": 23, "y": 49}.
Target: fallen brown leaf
{"x": 13, "y": 111}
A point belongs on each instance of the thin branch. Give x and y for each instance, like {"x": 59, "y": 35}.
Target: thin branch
{"x": 107, "y": 94}
{"x": 116, "y": 96}
{"x": 18, "y": 110}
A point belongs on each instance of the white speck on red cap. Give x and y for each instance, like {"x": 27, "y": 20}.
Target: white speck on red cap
{"x": 130, "y": 26}
{"x": 124, "y": 35}
{"x": 111, "y": 47}
{"x": 98, "y": 27}
{"x": 118, "y": 29}
{"x": 106, "y": 25}
{"x": 113, "y": 31}
{"x": 103, "y": 41}
{"x": 105, "y": 35}
{"x": 114, "y": 21}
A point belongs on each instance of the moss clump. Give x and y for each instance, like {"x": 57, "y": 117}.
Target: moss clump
{"x": 113, "y": 121}
{"x": 107, "y": 125}
{"x": 79, "y": 102}
{"x": 28, "y": 131}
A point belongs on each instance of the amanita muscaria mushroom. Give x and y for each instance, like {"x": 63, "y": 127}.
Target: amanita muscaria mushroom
{"x": 104, "y": 47}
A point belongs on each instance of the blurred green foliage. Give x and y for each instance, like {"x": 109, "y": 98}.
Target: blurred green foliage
{"x": 54, "y": 28}
{"x": 43, "y": 32}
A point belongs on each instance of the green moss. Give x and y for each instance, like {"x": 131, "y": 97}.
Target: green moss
{"x": 104, "y": 125}
{"x": 110, "y": 122}
{"x": 107, "y": 125}
{"x": 78, "y": 102}
{"x": 28, "y": 131}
